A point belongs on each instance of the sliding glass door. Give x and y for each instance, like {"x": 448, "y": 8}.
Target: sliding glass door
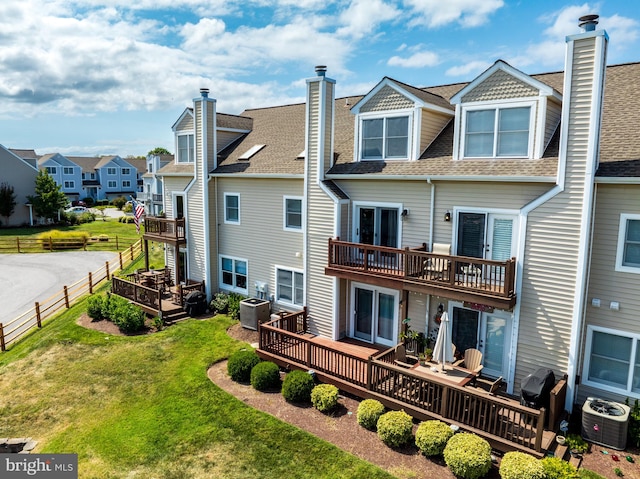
{"x": 375, "y": 314}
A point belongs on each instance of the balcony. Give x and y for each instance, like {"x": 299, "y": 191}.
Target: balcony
{"x": 164, "y": 230}
{"x": 473, "y": 280}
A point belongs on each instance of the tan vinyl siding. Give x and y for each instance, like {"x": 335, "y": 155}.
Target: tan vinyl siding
{"x": 209, "y": 129}
{"x": 489, "y": 196}
{"x": 186, "y": 124}
{"x": 431, "y": 126}
{"x": 195, "y": 210}
{"x": 413, "y": 195}
{"x": 386, "y": 99}
{"x": 500, "y": 86}
{"x": 225, "y": 138}
{"x": 345, "y": 221}
{"x": 328, "y": 107}
{"x": 260, "y": 237}
{"x": 417, "y": 311}
{"x": 554, "y": 111}
{"x": 604, "y": 282}
{"x": 553, "y": 241}
{"x": 320, "y": 223}
{"x": 172, "y": 184}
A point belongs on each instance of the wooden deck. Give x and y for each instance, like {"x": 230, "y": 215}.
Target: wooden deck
{"x": 369, "y": 372}
{"x": 461, "y": 278}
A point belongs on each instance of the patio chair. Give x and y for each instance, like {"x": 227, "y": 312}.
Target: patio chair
{"x": 436, "y": 267}
{"x": 403, "y": 359}
{"x": 472, "y": 361}
{"x": 495, "y": 385}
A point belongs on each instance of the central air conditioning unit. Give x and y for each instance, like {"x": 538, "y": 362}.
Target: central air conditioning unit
{"x": 605, "y": 422}
{"x": 254, "y": 311}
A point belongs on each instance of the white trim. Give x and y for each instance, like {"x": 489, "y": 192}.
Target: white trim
{"x": 187, "y": 111}
{"x": 224, "y": 213}
{"x": 411, "y": 133}
{"x": 356, "y": 205}
{"x": 540, "y": 116}
{"x": 192, "y": 160}
{"x": 284, "y": 214}
{"x": 293, "y": 292}
{"x": 634, "y": 337}
{"x": 622, "y": 237}
{"x": 498, "y": 106}
{"x": 227, "y": 287}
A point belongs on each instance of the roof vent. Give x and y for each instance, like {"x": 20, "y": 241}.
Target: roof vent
{"x": 321, "y": 70}
{"x": 588, "y": 22}
{"x": 204, "y": 92}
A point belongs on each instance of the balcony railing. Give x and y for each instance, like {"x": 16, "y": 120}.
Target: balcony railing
{"x": 165, "y": 230}
{"x": 416, "y": 269}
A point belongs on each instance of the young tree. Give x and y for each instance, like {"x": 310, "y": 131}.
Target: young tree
{"x": 7, "y": 200}
{"x": 159, "y": 151}
{"x": 49, "y": 198}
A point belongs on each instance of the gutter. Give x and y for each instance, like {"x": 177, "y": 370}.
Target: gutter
{"x": 474, "y": 179}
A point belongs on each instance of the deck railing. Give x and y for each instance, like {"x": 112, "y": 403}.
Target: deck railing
{"x": 164, "y": 228}
{"x": 414, "y": 265}
{"x": 505, "y": 423}
{"x": 143, "y": 295}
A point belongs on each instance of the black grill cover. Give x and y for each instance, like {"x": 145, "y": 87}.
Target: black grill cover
{"x": 195, "y": 303}
{"x": 535, "y": 388}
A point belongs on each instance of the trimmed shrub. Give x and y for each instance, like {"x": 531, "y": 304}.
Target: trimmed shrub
{"x": 265, "y": 375}
{"x": 219, "y": 303}
{"x": 432, "y": 437}
{"x": 86, "y": 217}
{"x": 240, "y": 365}
{"x": 394, "y": 428}
{"x": 297, "y": 386}
{"x": 128, "y": 318}
{"x": 468, "y": 456}
{"x": 518, "y": 465}
{"x": 369, "y": 411}
{"x": 556, "y": 468}
{"x": 94, "y": 306}
{"x": 110, "y": 304}
{"x": 119, "y": 202}
{"x": 324, "y": 397}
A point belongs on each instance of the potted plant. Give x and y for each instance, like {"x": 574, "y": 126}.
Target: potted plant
{"x": 428, "y": 352}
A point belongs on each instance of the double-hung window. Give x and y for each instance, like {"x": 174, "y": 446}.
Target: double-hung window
{"x": 112, "y": 184}
{"x": 51, "y": 170}
{"x": 233, "y": 274}
{"x": 67, "y": 170}
{"x": 292, "y": 213}
{"x": 126, "y": 184}
{"x": 185, "y": 149}
{"x": 68, "y": 185}
{"x": 628, "y": 254}
{"x": 612, "y": 360}
{"x": 289, "y": 286}
{"x": 126, "y": 171}
{"x": 232, "y": 208}
{"x": 111, "y": 171}
{"x": 385, "y": 138}
{"x": 497, "y": 132}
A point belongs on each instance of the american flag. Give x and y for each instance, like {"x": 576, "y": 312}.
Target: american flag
{"x": 138, "y": 211}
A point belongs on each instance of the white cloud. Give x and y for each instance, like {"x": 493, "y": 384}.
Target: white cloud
{"x": 363, "y": 17}
{"x": 437, "y": 13}
{"x": 417, "y": 60}
{"x": 470, "y": 69}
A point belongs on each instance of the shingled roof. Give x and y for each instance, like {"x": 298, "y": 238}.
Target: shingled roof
{"x": 281, "y": 129}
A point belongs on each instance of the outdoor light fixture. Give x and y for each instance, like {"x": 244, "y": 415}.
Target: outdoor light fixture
{"x": 404, "y": 214}
{"x": 447, "y": 216}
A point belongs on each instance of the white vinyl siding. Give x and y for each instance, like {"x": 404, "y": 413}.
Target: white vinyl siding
{"x": 628, "y": 251}
{"x": 273, "y": 245}
{"x": 232, "y": 208}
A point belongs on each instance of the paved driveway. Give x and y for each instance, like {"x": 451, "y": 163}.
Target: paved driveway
{"x": 27, "y": 278}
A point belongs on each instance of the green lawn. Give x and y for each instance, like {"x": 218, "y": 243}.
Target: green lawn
{"x": 143, "y": 407}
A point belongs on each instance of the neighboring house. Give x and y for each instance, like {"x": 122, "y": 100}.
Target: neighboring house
{"x": 532, "y": 182}
{"x": 108, "y": 177}
{"x": 30, "y": 156}
{"x": 152, "y": 191}
{"x": 21, "y": 175}
{"x": 65, "y": 172}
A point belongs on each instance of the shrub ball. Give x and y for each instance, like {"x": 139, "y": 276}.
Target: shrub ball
{"x": 369, "y": 411}
{"x": 432, "y": 437}
{"x": 265, "y": 376}
{"x": 468, "y": 456}
{"x": 297, "y": 386}
{"x": 240, "y": 365}
{"x": 394, "y": 428}
{"x": 324, "y": 397}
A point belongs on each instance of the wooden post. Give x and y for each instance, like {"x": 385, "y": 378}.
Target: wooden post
{"x": 106, "y": 265}
{"x": 120, "y": 256}
{"x": 539, "y": 430}
{"x": 369, "y": 372}
{"x": 50, "y": 244}
{"x": 443, "y": 402}
{"x": 308, "y": 343}
{"x": 90, "y": 284}
{"x": 3, "y": 347}
{"x": 18, "y": 243}
{"x": 131, "y": 250}
{"x": 66, "y": 296}
{"x": 38, "y": 318}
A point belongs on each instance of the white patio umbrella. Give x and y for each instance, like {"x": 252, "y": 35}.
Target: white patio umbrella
{"x": 442, "y": 351}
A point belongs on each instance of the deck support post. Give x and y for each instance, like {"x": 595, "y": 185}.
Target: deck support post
{"x": 369, "y": 372}
{"x": 540, "y": 429}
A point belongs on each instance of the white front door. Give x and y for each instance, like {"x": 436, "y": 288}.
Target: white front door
{"x": 489, "y": 332}
{"x": 375, "y": 314}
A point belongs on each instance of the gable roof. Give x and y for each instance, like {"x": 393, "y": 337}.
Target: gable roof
{"x": 281, "y": 129}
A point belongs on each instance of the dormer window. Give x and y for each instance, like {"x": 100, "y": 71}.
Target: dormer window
{"x": 385, "y": 138}
{"x": 186, "y": 149}
{"x": 498, "y": 132}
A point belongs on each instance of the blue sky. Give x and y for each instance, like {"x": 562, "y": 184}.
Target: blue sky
{"x": 93, "y": 77}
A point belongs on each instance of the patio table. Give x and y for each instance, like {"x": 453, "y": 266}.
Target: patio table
{"x": 452, "y": 374}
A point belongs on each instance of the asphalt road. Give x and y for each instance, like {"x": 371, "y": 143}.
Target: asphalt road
{"x": 27, "y": 278}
